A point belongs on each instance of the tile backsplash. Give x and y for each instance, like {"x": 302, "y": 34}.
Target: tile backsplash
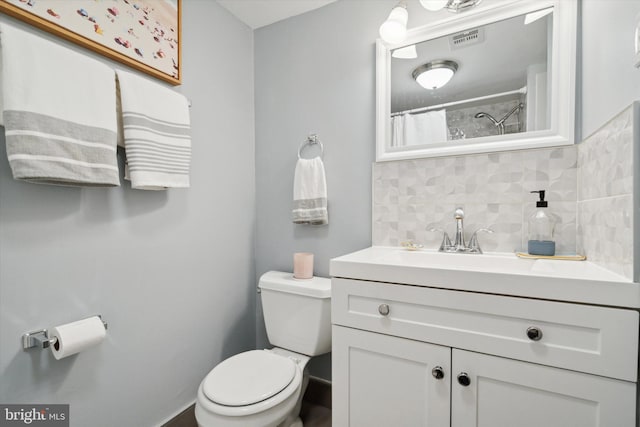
{"x": 605, "y": 195}
{"x": 493, "y": 189}
{"x": 589, "y": 186}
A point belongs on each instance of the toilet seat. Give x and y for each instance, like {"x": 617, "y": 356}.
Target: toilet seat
{"x": 261, "y": 406}
{"x": 233, "y": 382}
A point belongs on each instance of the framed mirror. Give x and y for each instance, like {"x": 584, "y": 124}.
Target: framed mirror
{"x": 507, "y": 82}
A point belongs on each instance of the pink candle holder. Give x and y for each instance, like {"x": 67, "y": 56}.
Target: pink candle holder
{"x": 302, "y": 265}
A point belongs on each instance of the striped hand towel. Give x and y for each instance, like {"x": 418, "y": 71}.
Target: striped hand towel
{"x": 157, "y": 141}
{"x": 310, "y": 193}
{"x": 58, "y": 111}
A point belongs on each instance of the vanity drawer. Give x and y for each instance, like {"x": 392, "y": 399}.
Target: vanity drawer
{"x": 597, "y": 340}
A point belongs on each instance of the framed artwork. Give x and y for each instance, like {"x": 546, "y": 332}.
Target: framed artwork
{"x": 143, "y": 34}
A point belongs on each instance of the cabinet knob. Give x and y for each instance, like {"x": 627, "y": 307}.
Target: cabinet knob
{"x": 463, "y": 379}
{"x": 534, "y": 333}
{"x": 383, "y": 309}
{"x": 438, "y": 372}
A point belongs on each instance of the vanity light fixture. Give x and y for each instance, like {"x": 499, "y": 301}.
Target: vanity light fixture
{"x": 394, "y": 29}
{"x": 435, "y": 74}
{"x": 454, "y": 6}
{"x": 434, "y": 5}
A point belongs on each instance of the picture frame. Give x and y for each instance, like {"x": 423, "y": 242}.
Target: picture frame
{"x": 142, "y": 34}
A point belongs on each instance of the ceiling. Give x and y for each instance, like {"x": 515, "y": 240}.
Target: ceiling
{"x": 258, "y": 13}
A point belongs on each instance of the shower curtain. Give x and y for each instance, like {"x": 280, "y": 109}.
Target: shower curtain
{"x": 424, "y": 128}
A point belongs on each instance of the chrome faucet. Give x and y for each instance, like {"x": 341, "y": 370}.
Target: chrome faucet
{"x": 458, "y": 242}
{"x": 459, "y": 245}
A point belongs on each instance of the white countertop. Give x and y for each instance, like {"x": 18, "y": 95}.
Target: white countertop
{"x": 493, "y": 273}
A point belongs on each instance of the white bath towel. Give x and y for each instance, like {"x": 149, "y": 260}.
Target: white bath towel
{"x": 310, "y": 193}
{"x": 157, "y": 129}
{"x": 58, "y": 111}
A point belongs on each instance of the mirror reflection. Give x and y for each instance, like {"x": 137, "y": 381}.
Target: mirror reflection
{"x": 486, "y": 81}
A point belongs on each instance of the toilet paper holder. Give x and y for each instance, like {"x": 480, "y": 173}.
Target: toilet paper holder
{"x": 40, "y": 338}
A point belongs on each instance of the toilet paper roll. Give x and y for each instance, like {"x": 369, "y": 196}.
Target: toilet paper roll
{"x": 77, "y": 336}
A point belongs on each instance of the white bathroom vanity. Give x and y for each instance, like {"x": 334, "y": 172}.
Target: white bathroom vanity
{"x": 433, "y": 339}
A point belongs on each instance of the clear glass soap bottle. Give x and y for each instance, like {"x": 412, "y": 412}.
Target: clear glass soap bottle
{"x": 542, "y": 224}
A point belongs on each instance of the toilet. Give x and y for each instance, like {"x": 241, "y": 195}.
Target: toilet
{"x": 264, "y": 388}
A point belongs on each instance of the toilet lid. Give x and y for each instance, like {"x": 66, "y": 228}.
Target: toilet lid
{"x": 248, "y": 378}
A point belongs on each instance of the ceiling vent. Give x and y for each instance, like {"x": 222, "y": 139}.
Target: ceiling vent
{"x": 466, "y": 38}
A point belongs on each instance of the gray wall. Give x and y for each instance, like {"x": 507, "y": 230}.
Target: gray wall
{"x": 610, "y": 82}
{"x": 315, "y": 73}
{"x": 172, "y": 272}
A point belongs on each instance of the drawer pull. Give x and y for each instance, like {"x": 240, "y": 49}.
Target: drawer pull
{"x": 463, "y": 379}
{"x": 534, "y": 333}
{"x": 383, "y": 309}
{"x": 438, "y": 372}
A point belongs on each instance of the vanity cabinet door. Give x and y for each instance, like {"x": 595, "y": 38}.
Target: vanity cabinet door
{"x": 380, "y": 380}
{"x": 505, "y": 393}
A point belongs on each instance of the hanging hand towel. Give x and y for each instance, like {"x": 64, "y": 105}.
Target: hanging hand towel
{"x": 156, "y": 127}
{"x": 59, "y": 113}
{"x": 310, "y": 193}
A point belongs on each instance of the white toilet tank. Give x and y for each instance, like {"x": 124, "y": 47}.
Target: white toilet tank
{"x": 297, "y": 313}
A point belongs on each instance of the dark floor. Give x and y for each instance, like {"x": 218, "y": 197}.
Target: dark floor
{"x": 316, "y": 404}
{"x": 313, "y": 415}
{"x": 186, "y": 418}
{"x": 315, "y": 412}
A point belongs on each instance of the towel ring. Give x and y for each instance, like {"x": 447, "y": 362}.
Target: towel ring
{"x": 311, "y": 140}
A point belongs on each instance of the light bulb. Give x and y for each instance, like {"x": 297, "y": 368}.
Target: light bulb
{"x": 407, "y": 52}
{"x": 394, "y": 29}
{"x": 434, "y": 5}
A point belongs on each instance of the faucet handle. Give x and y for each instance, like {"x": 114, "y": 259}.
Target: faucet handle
{"x": 446, "y": 241}
{"x": 474, "y": 245}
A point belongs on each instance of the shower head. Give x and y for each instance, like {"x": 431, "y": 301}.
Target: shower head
{"x": 487, "y": 115}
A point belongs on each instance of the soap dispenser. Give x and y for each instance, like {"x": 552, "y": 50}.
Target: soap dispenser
{"x": 541, "y": 226}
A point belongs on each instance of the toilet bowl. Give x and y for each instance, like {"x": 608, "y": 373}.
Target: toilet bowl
{"x": 258, "y": 388}
{"x": 264, "y": 388}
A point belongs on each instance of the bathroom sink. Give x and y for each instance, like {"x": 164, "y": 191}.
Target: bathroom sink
{"x": 499, "y": 263}
{"x": 498, "y": 273}
{"x": 473, "y": 262}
